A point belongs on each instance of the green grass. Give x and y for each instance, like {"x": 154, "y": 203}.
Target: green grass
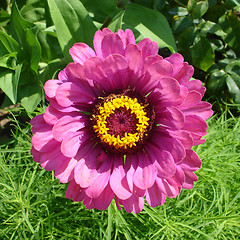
{"x": 33, "y": 203}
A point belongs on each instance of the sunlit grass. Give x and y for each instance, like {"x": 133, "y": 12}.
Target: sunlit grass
{"x": 33, "y": 203}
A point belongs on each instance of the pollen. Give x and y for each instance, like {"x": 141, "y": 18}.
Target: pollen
{"x": 127, "y": 119}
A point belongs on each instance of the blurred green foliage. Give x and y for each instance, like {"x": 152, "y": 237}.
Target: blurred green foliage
{"x": 35, "y": 37}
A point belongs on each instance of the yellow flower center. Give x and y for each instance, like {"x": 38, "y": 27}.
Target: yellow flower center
{"x": 122, "y": 104}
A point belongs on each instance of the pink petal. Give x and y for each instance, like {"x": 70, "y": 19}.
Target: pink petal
{"x": 184, "y": 137}
{"x": 164, "y": 141}
{"x": 51, "y": 115}
{"x": 115, "y": 67}
{"x": 112, "y": 43}
{"x": 39, "y": 125}
{"x": 103, "y": 201}
{"x": 150, "y": 60}
{"x": 192, "y": 99}
{"x": 80, "y": 52}
{"x": 184, "y": 75}
{"x": 178, "y": 178}
{"x": 167, "y": 189}
{"x": 154, "y": 196}
{"x": 191, "y": 162}
{"x": 163, "y": 161}
{"x": 190, "y": 177}
{"x": 145, "y": 174}
{"x": 176, "y": 60}
{"x": 75, "y": 192}
{"x": 97, "y": 41}
{"x": 127, "y": 37}
{"x": 85, "y": 171}
{"x": 67, "y": 124}
{"x": 196, "y": 85}
{"x": 70, "y": 93}
{"x": 148, "y": 47}
{"x": 36, "y": 155}
{"x": 72, "y": 142}
{"x": 93, "y": 71}
{"x": 134, "y": 58}
{"x": 50, "y": 87}
{"x": 118, "y": 180}
{"x": 133, "y": 204}
{"x": 67, "y": 175}
{"x": 171, "y": 117}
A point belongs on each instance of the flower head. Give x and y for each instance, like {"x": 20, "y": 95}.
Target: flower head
{"x": 121, "y": 123}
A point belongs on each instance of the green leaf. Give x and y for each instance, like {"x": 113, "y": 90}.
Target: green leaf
{"x": 19, "y": 23}
{"x": 191, "y": 5}
{"x": 181, "y": 24}
{"x": 200, "y": 9}
{"x": 4, "y": 18}
{"x": 230, "y": 24}
{"x": 73, "y": 24}
{"x": 117, "y": 22}
{"x": 233, "y": 67}
{"x": 107, "y": 6}
{"x": 202, "y": 54}
{"x": 211, "y": 27}
{"x": 7, "y": 61}
{"x": 31, "y": 91}
{"x": 147, "y": 23}
{"x": 186, "y": 38}
{"x": 233, "y": 83}
{"x": 179, "y": 11}
{"x": 217, "y": 83}
{"x": 9, "y": 43}
{"x": 9, "y": 83}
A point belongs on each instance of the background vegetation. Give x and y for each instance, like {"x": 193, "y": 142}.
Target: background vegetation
{"x": 35, "y": 36}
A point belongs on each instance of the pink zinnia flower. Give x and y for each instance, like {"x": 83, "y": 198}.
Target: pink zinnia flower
{"x": 121, "y": 123}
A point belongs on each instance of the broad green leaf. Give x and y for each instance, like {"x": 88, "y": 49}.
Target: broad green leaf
{"x": 230, "y": 24}
{"x": 147, "y": 23}
{"x": 191, "y": 4}
{"x": 9, "y": 83}
{"x": 30, "y": 94}
{"x": 158, "y": 4}
{"x": 181, "y": 24}
{"x": 211, "y": 27}
{"x": 73, "y": 24}
{"x": 9, "y": 43}
{"x": 107, "y": 6}
{"x": 233, "y": 83}
{"x": 202, "y": 54}
{"x": 117, "y": 22}
{"x": 200, "y": 9}
{"x": 51, "y": 31}
{"x": 186, "y": 38}
{"x": 179, "y": 11}
{"x": 233, "y": 67}
{"x": 216, "y": 44}
{"x": 7, "y": 61}
{"x": 19, "y": 23}
{"x": 4, "y": 18}
{"x": 217, "y": 83}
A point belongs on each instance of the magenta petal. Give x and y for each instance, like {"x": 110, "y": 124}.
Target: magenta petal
{"x": 134, "y": 58}
{"x": 39, "y": 125}
{"x": 85, "y": 171}
{"x": 36, "y": 155}
{"x": 163, "y": 161}
{"x": 74, "y": 192}
{"x": 51, "y": 115}
{"x": 67, "y": 124}
{"x": 104, "y": 199}
{"x": 80, "y": 52}
{"x": 171, "y": 117}
{"x": 112, "y": 43}
{"x": 190, "y": 177}
{"x": 167, "y": 189}
{"x": 192, "y": 99}
{"x": 115, "y": 68}
{"x": 72, "y": 141}
{"x": 42, "y": 141}
{"x": 191, "y": 162}
{"x": 97, "y": 41}
{"x": 176, "y": 60}
{"x": 148, "y": 47}
{"x": 196, "y": 85}
{"x": 50, "y": 87}
{"x": 184, "y": 75}
{"x": 67, "y": 175}
{"x": 178, "y": 178}
{"x": 70, "y": 93}
{"x": 133, "y": 204}
{"x": 183, "y": 136}
{"x": 145, "y": 174}
{"x": 118, "y": 180}
{"x": 127, "y": 37}
{"x": 165, "y": 142}
{"x": 154, "y": 196}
